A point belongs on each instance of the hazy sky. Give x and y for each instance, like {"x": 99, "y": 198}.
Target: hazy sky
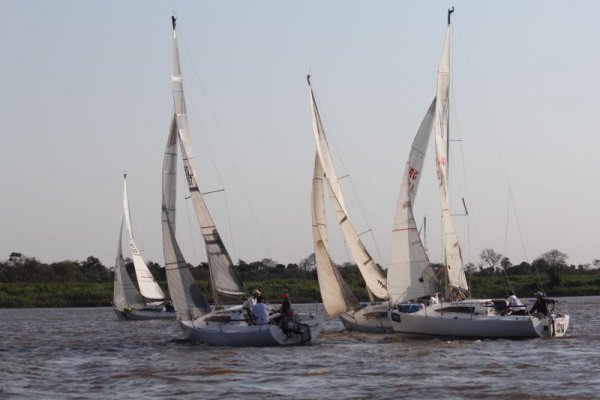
{"x": 85, "y": 96}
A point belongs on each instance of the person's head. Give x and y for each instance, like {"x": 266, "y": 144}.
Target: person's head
{"x": 511, "y": 293}
{"x": 256, "y": 293}
{"x": 539, "y": 295}
{"x": 259, "y": 299}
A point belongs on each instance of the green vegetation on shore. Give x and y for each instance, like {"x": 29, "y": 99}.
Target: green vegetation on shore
{"x": 27, "y": 282}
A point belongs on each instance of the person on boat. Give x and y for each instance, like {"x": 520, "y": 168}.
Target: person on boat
{"x": 541, "y": 305}
{"x": 515, "y": 306}
{"x": 249, "y": 304}
{"x": 260, "y": 312}
{"x": 285, "y": 315}
{"x": 433, "y": 300}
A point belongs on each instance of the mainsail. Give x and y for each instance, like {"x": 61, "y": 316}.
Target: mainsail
{"x": 372, "y": 274}
{"x": 148, "y": 286}
{"x": 410, "y": 274}
{"x": 453, "y": 257}
{"x": 188, "y": 301}
{"x": 224, "y": 277}
{"x": 125, "y": 293}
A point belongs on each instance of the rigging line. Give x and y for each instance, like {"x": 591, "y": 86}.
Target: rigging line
{"x": 486, "y": 114}
{"x": 464, "y": 184}
{"x": 221, "y": 136}
{"x": 331, "y": 139}
{"x": 518, "y": 225}
{"x": 207, "y": 146}
{"x": 493, "y": 133}
{"x": 507, "y": 222}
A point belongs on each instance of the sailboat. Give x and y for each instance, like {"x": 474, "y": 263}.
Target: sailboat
{"x": 130, "y": 303}
{"x": 338, "y": 300}
{"x": 419, "y": 303}
{"x": 221, "y": 326}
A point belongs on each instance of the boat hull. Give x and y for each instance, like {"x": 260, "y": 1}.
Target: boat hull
{"x": 143, "y": 315}
{"x": 482, "y": 322}
{"x": 230, "y": 328}
{"x": 370, "y": 319}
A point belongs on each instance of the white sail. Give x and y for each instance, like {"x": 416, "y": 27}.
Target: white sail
{"x": 337, "y": 297}
{"x": 148, "y": 286}
{"x": 453, "y": 257}
{"x": 372, "y": 274}
{"x": 409, "y": 272}
{"x": 224, "y": 277}
{"x": 186, "y": 296}
{"x": 125, "y": 294}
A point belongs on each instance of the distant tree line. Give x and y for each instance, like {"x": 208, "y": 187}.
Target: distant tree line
{"x": 22, "y": 269}
{"x": 492, "y": 276}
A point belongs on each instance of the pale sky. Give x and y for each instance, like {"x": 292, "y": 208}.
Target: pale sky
{"x": 86, "y": 96}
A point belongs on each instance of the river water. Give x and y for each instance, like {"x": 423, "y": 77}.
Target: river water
{"x": 85, "y": 353}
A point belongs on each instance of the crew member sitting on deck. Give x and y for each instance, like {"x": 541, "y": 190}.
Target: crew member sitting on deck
{"x": 249, "y": 304}
{"x": 286, "y": 315}
{"x": 260, "y": 312}
{"x": 515, "y": 306}
{"x": 541, "y": 305}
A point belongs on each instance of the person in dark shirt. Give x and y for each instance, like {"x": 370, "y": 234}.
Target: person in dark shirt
{"x": 285, "y": 315}
{"x": 541, "y": 304}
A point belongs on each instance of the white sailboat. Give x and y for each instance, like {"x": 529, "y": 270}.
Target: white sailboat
{"x": 419, "y": 305}
{"x": 338, "y": 300}
{"x": 223, "y": 326}
{"x": 130, "y": 303}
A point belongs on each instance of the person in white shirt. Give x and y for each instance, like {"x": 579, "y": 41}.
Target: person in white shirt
{"x": 514, "y": 304}
{"x": 249, "y": 304}
{"x": 260, "y": 312}
{"x": 432, "y": 299}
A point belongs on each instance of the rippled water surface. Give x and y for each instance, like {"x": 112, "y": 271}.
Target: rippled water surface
{"x": 86, "y": 353}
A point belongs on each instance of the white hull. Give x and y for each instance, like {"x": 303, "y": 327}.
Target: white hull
{"x": 455, "y": 320}
{"x": 369, "y": 319}
{"x": 230, "y": 328}
{"x": 142, "y": 315}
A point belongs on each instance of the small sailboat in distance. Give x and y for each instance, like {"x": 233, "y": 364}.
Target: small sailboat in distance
{"x": 419, "y": 304}
{"x": 221, "y": 326}
{"x": 149, "y": 301}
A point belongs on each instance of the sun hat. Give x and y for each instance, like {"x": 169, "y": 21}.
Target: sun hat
{"x": 256, "y": 292}
{"x": 540, "y": 294}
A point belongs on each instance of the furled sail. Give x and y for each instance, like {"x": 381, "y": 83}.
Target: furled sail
{"x": 125, "y": 293}
{"x": 186, "y": 296}
{"x": 148, "y": 286}
{"x": 224, "y": 277}
{"x": 454, "y": 263}
{"x": 337, "y": 297}
{"x": 372, "y": 274}
{"x": 409, "y": 273}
